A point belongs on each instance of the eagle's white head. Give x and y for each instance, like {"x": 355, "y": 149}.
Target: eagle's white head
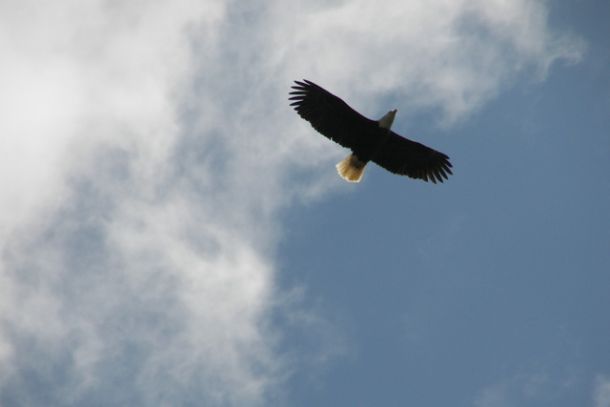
{"x": 386, "y": 121}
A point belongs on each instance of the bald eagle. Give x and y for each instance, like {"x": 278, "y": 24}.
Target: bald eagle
{"x": 369, "y": 140}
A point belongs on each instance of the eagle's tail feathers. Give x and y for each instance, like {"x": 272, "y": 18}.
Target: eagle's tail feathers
{"x": 351, "y": 168}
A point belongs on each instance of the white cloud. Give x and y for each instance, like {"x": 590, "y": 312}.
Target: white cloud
{"x": 450, "y": 55}
{"x": 147, "y": 150}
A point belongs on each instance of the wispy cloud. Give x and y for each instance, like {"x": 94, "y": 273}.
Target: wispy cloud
{"x": 148, "y": 149}
{"x": 451, "y": 56}
{"x": 535, "y": 386}
{"x": 601, "y": 394}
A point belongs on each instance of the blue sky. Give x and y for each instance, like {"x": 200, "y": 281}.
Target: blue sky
{"x": 172, "y": 233}
{"x": 493, "y": 282}
{"x": 489, "y": 290}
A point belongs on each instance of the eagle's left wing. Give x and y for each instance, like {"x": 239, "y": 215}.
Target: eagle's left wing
{"x": 405, "y": 157}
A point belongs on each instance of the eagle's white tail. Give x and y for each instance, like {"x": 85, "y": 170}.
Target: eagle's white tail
{"x": 351, "y": 168}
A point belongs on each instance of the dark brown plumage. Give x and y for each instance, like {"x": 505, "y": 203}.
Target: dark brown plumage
{"x": 369, "y": 140}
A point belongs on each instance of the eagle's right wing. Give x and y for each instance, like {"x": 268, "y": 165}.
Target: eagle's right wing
{"x": 332, "y": 117}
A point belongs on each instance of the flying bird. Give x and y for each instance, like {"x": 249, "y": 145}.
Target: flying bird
{"x": 369, "y": 140}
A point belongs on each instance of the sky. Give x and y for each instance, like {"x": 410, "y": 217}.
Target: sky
{"x": 172, "y": 233}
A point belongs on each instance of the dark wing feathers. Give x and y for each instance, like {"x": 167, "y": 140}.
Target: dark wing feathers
{"x": 333, "y": 118}
{"x": 405, "y": 157}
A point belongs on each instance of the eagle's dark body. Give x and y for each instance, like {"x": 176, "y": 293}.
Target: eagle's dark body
{"x": 369, "y": 140}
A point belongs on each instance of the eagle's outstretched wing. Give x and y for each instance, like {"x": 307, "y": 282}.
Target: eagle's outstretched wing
{"x": 405, "y": 157}
{"x": 332, "y": 117}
